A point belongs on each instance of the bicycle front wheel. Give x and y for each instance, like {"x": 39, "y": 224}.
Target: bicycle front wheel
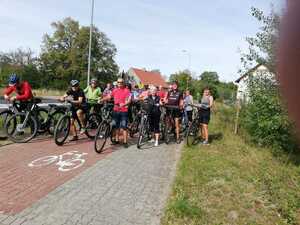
{"x": 143, "y": 133}
{"x": 62, "y": 130}
{"x": 168, "y": 132}
{"x": 192, "y": 133}
{"x": 103, "y": 132}
{"x": 53, "y": 120}
{"x": 21, "y": 128}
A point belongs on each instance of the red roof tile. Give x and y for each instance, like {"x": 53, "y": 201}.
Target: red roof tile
{"x": 147, "y": 77}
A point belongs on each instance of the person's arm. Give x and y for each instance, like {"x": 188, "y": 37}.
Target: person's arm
{"x": 86, "y": 90}
{"x": 211, "y": 101}
{"x": 7, "y": 92}
{"x": 27, "y": 93}
{"x": 192, "y": 100}
{"x": 63, "y": 98}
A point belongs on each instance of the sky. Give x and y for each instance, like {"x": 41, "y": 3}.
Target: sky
{"x": 149, "y": 34}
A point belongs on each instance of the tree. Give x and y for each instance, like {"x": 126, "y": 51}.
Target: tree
{"x": 184, "y": 79}
{"x": 209, "y": 78}
{"x": 64, "y": 54}
{"x": 262, "y": 47}
{"x": 264, "y": 117}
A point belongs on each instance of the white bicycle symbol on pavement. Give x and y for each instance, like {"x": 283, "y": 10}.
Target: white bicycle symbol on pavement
{"x": 63, "y": 165}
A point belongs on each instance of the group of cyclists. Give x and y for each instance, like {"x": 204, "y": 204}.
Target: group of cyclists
{"x": 123, "y": 96}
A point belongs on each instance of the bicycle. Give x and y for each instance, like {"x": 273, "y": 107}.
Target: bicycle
{"x": 194, "y": 130}
{"x": 23, "y": 126}
{"x": 63, "y": 126}
{"x": 105, "y": 129}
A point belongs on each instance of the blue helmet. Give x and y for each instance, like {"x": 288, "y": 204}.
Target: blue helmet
{"x": 74, "y": 83}
{"x": 13, "y": 79}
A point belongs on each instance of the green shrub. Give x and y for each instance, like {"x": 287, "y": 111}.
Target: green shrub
{"x": 264, "y": 116}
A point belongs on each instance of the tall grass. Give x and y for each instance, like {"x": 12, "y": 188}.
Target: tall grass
{"x": 232, "y": 182}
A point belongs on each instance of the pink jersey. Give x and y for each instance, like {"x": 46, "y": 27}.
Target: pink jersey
{"x": 120, "y": 95}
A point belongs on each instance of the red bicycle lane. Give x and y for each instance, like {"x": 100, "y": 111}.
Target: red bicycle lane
{"x": 21, "y": 184}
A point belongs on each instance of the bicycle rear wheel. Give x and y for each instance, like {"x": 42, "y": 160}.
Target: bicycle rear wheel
{"x": 192, "y": 133}
{"x": 4, "y": 117}
{"x": 93, "y": 122}
{"x": 62, "y": 130}
{"x": 42, "y": 118}
{"x": 21, "y": 128}
{"x": 103, "y": 132}
{"x": 53, "y": 120}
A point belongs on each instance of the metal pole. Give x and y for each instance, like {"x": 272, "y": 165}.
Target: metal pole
{"x": 189, "y": 65}
{"x": 90, "y": 43}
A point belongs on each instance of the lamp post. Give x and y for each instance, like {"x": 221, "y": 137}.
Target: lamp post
{"x": 189, "y": 65}
{"x": 90, "y": 43}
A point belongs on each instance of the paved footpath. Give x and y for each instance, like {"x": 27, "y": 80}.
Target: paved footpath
{"x": 121, "y": 186}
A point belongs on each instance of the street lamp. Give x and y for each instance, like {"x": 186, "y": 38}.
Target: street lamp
{"x": 189, "y": 66}
{"x": 90, "y": 43}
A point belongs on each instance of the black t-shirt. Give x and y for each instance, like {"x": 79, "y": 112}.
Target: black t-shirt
{"x": 76, "y": 95}
{"x": 174, "y": 97}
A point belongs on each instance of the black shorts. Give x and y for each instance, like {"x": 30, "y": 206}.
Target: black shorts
{"x": 154, "y": 122}
{"x": 74, "y": 109}
{"x": 204, "y": 116}
{"x": 175, "y": 113}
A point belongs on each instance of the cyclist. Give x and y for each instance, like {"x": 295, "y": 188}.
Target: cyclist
{"x": 154, "y": 101}
{"x": 22, "y": 89}
{"x": 188, "y": 110}
{"x": 161, "y": 92}
{"x": 175, "y": 98}
{"x": 122, "y": 99}
{"x": 107, "y": 91}
{"x": 206, "y": 103}
{"x": 93, "y": 94}
{"x": 79, "y": 107}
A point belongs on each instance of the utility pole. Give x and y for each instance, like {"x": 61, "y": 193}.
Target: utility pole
{"x": 189, "y": 65}
{"x": 90, "y": 43}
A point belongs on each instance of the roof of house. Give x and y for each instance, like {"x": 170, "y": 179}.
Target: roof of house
{"x": 249, "y": 72}
{"x": 147, "y": 77}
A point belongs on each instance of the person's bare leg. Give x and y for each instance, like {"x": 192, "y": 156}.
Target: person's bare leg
{"x": 124, "y": 136}
{"x": 202, "y": 131}
{"x": 80, "y": 115}
{"x": 205, "y": 126}
{"x": 73, "y": 128}
{"x": 177, "y": 128}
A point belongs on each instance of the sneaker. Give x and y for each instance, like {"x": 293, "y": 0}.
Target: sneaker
{"x": 114, "y": 142}
{"x": 156, "y": 144}
{"x": 151, "y": 141}
{"x": 205, "y": 143}
{"x": 126, "y": 145}
{"x": 74, "y": 138}
{"x": 82, "y": 130}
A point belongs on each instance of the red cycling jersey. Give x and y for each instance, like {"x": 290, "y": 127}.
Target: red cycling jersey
{"x": 120, "y": 95}
{"x": 23, "y": 91}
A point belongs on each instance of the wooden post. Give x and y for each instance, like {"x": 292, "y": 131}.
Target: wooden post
{"x": 238, "y": 109}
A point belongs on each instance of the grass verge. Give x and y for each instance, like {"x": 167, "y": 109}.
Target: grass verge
{"x": 232, "y": 182}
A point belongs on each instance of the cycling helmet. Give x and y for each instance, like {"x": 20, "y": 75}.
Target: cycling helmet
{"x": 74, "y": 83}
{"x": 13, "y": 79}
{"x": 94, "y": 80}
